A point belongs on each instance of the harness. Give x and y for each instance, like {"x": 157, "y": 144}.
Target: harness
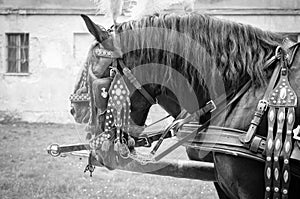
{"x": 278, "y": 102}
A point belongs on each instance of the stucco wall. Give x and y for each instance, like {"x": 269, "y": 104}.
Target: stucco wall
{"x": 42, "y": 95}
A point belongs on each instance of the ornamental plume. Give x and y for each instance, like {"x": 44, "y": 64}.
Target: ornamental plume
{"x": 112, "y": 8}
{"x": 136, "y": 9}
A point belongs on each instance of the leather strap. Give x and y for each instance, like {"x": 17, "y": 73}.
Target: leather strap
{"x": 147, "y": 140}
{"x": 128, "y": 74}
{"x": 194, "y": 133}
{"x": 220, "y": 139}
{"x": 263, "y": 104}
{"x": 291, "y": 49}
{"x": 209, "y": 107}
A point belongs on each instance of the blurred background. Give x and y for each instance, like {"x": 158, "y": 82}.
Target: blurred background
{"x": 43, "y": 45}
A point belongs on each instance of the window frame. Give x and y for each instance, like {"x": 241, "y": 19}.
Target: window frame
{"x": 19, "y": 46}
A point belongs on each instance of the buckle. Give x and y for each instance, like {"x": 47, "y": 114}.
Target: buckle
{"x": 212, "y": 103}
{"x": 146, "y": 141}
{"x": 262, "y": 105}
{"x": 113, "y": 71}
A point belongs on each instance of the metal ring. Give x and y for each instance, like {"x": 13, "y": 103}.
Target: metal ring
{"x": 53, "y": 150}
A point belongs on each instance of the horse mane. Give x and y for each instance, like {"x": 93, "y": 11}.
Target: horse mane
{"x": 233, "y": 50}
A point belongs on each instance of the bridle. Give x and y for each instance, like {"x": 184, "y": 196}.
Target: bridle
{"x": 120, "y": 68}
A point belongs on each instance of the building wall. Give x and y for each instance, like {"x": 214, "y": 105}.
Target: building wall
{"x": 59, "y": 42}
{"x": 42, "y": 94}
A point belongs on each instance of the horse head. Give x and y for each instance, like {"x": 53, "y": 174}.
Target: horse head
{"x": 153, "y": 75}
{"x": 95, "y": 67}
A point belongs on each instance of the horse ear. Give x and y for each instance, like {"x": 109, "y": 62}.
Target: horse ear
{"x": 99, "y": 32}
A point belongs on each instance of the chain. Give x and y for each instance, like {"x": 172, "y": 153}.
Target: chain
{"x": 142, "y": 158}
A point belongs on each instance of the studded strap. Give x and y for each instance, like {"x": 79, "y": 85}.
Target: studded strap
{"x": 269, "y": 152}
{"x": 281, "y": 98}
{"x": 277, "y": 150}
{"x": 286, "y": 152}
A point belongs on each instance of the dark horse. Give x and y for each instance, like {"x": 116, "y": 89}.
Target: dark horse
{"x": 183, "y": 62}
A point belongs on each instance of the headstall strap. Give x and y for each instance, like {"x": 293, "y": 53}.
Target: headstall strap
{"x": 100, "y": 52}
{"x": 282, "y": 103}
{"x": 128, "y": 74}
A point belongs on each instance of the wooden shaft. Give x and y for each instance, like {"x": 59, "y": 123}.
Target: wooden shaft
{"x": 175, "y": 168}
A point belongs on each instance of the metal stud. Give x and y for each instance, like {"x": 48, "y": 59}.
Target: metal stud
{"x": 268, "y": 172}
{"x": 281, "y": 116}
{"x": 285, "y": 176}
{"x": 271, "y": 115}
{"x": 270, "y": 144}
{"x": 276, "y": 174}
{"x": 290, "y": 118}
{"x": 277, "y": 144}
{"x": 287, "y": 147}
{"x": 286, "y": 161}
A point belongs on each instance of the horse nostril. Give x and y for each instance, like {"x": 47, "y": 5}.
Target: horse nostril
{"x": 72, "y": 111}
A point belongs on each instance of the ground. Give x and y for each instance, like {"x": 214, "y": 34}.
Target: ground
{"x": 27, "y": 171}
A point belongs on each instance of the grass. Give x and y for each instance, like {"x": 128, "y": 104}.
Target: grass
{"x": 27, "y": 171}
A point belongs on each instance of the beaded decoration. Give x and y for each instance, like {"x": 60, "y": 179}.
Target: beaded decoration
{"x": 118, "y": 108}
{"x": 117, "y": 118}
{"x": 83, "y": 97}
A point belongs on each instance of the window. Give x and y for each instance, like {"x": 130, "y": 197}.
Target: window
{"x": 17, "y": 52}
